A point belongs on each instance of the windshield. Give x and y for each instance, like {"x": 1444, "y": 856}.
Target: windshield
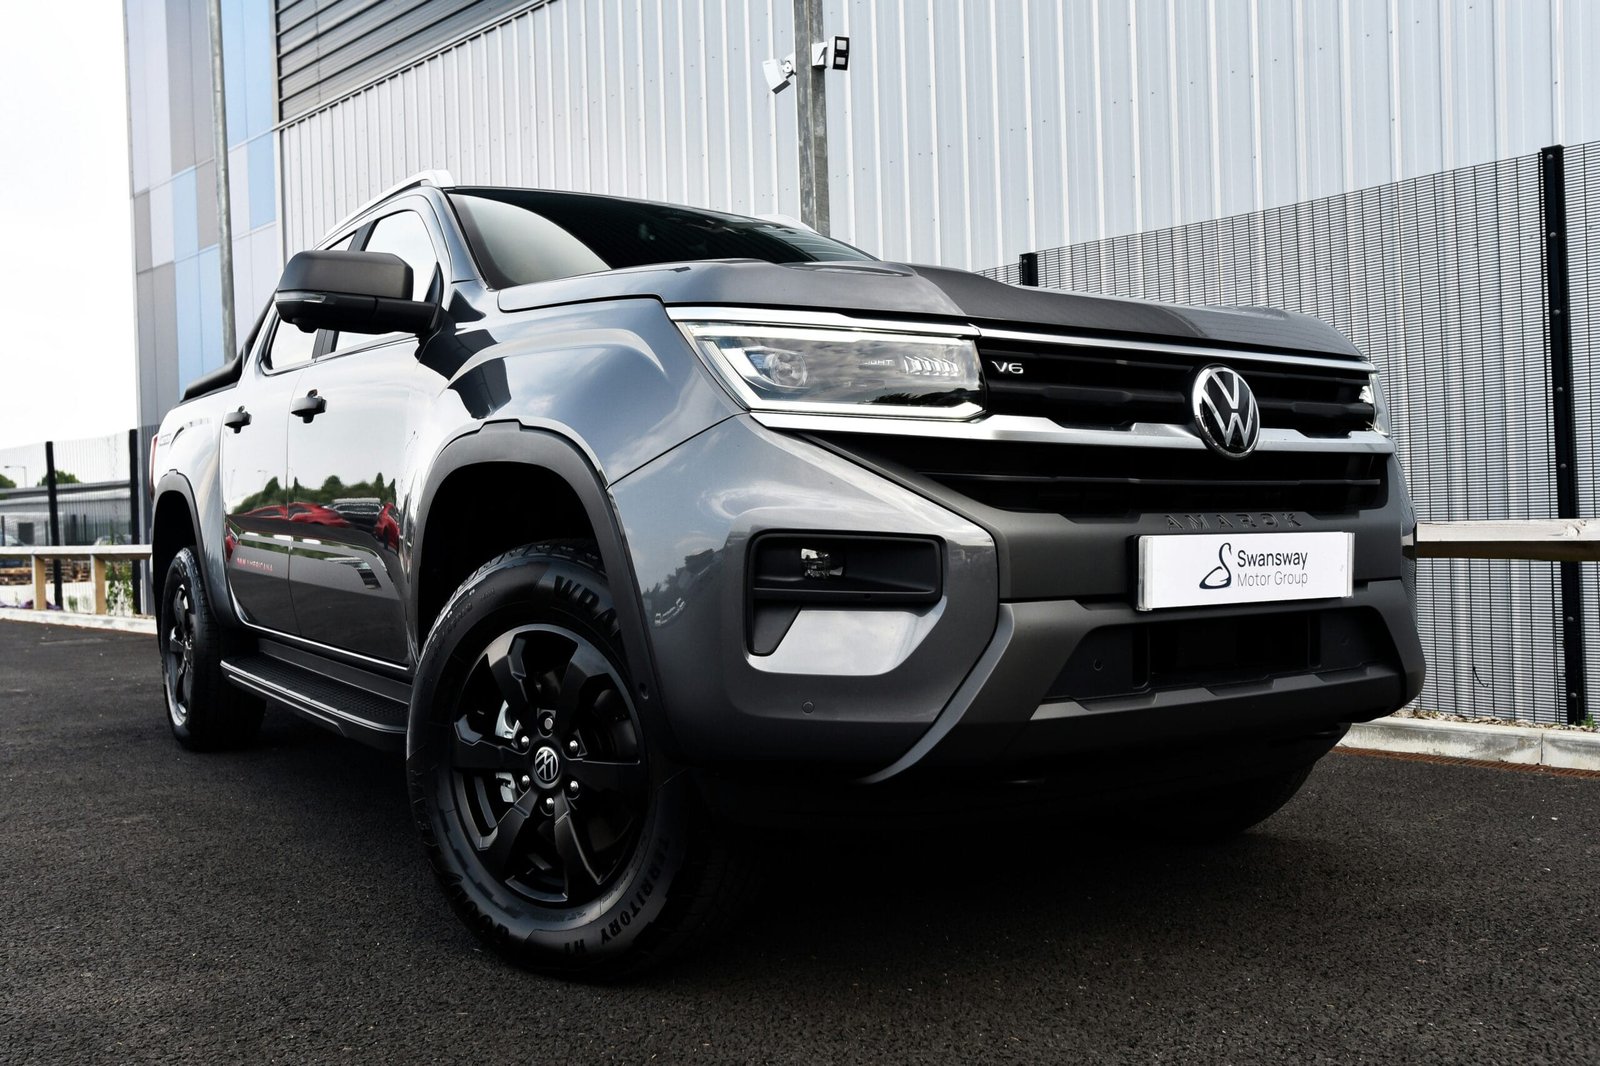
{"x": 520, "y": 236}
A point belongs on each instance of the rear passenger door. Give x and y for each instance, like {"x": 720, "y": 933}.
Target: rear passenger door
{"x": 346, "y": 457}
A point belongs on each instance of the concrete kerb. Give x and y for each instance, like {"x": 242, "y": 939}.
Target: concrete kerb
{"x": 119, "y": 623}
{"x": 1560, "y": 748}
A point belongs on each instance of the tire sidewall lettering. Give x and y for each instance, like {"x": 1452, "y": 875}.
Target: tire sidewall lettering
{"x": 495, "y": 599}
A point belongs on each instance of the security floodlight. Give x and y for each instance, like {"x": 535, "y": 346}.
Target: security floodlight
{"x": 778, "y": 73}
{"x": 841, "y": 53}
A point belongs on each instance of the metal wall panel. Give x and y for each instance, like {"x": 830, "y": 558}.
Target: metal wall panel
{"x": 966, "y": 131}
{"x": 1044, "y": 123}
{"x": 149, "y": 118}
{"x": 655, "y": 98}
{"x": 328, "y": 47}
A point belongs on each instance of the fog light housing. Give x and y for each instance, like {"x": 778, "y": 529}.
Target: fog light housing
{"x": 789, "y": 571}
{"x": 819, "y": 564}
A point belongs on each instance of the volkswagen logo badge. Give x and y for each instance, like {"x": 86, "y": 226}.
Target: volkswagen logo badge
{"x": 1225, "y": 412}
{"x": 546, "y": 766}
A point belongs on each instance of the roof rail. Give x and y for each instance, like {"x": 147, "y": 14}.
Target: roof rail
{"x": 439, "y": 179}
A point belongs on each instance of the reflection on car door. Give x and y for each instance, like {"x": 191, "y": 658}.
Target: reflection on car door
{"x": 345, "y": 457}
{"x": 343, "y": 467}
{"x": 256, "y": 503}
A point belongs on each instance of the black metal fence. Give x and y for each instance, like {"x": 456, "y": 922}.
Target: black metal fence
{"x": 1460, "y": 286}
{"x": 86, "y": 491}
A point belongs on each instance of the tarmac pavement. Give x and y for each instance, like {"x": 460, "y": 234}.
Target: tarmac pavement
{"x": 272, "y": 906}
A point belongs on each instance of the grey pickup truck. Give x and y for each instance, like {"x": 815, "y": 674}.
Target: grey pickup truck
{"x": 630, "y": 524}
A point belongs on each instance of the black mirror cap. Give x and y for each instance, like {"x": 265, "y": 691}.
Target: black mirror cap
{"x": 351, "y": 292}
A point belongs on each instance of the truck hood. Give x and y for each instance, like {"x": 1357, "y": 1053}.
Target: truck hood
{"x": 906, "y": 291}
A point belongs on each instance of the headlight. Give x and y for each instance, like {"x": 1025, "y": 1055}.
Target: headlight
{"x": 1372, "y": 393}
{"x": 841, "y": 371}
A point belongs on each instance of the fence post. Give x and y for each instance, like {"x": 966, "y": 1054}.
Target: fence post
{"x": 1558, "y": 343}
{"x": 135, "y": 528}
{"x": 1028, "y": 269}
{"x": 55, "y": 516}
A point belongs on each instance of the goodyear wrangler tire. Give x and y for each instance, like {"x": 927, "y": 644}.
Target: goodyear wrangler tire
{"x": 561, "y": 836}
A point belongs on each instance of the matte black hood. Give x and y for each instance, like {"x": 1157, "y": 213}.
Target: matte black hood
{"x": 895, "y": 289}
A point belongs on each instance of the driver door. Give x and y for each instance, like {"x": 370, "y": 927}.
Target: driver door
{"x": 257, "y": 506}
{"x": 347, "y": 460}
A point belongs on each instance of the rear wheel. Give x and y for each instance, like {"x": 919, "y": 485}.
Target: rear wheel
{"x": 560, "y": 832}
{"x": 203, "y": 710}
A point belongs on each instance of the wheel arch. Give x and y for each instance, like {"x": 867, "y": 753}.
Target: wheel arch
{"x": 174, "y": 525}
{"x": 507, "y": 457}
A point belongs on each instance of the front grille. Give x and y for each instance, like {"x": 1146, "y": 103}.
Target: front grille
{"x": 1084, "y": 385}
{"x": 1132, "y": 660}
{"x": 1091, "y": 481}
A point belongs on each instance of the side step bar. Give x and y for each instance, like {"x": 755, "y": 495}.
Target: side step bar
{"x": 366, "y": 707}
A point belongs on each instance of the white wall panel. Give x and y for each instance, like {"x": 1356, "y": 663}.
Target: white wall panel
{"x": 653, "y": 98}
{"x": 967, "y": 131}
{"x": 150, "y": 117}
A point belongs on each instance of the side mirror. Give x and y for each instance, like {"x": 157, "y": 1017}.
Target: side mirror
{"x": 352, "y": 292}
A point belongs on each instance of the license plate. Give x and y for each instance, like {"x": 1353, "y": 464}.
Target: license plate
{"x": 1214, "y": 568}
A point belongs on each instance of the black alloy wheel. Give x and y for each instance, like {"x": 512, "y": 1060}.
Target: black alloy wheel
{"x": 562, "y": 833}
{"x": 551, "y": 784}
{"x": 178, "y": 669}
{"x": 203, "y": 710}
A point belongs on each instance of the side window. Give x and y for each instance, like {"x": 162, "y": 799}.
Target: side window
{"x": 406, "y": 235}
{"x": 289, "y": 347}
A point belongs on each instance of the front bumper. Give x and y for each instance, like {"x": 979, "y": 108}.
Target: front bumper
{"x": 1003, "y": 717}
{"x": 983, "y": 683}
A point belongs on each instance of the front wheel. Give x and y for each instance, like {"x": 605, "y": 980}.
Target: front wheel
{"x": 559, "y": 830}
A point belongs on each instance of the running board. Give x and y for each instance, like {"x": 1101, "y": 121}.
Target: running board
{"x": 356, "y": 711}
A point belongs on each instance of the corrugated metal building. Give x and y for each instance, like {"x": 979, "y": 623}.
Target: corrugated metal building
{"x": 966, "y": 131}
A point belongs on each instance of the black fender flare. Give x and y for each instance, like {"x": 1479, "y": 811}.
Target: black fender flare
{"x": 512, "y": 442}
{"x": 172, "y": 483}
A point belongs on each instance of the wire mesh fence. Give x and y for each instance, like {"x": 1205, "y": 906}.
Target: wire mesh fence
{"x": 97, "y": 499}
{"x": 1441, "y": 281}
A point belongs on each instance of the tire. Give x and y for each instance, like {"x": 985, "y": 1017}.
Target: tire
{"x": 203, "y": 710}
{"x": 1217, "y": 814}
{"x": 560, "y": 832}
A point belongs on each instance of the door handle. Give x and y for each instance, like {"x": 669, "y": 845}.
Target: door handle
{"x": 309, "y": 406}
{"x": 236, "y": 420}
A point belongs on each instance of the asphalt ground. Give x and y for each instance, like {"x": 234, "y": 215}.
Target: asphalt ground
{"x": 272, "y": 906}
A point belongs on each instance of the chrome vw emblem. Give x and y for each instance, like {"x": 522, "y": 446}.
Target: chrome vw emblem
{"x": 546, "y": 766}
{"x": 1225, "y": 412}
